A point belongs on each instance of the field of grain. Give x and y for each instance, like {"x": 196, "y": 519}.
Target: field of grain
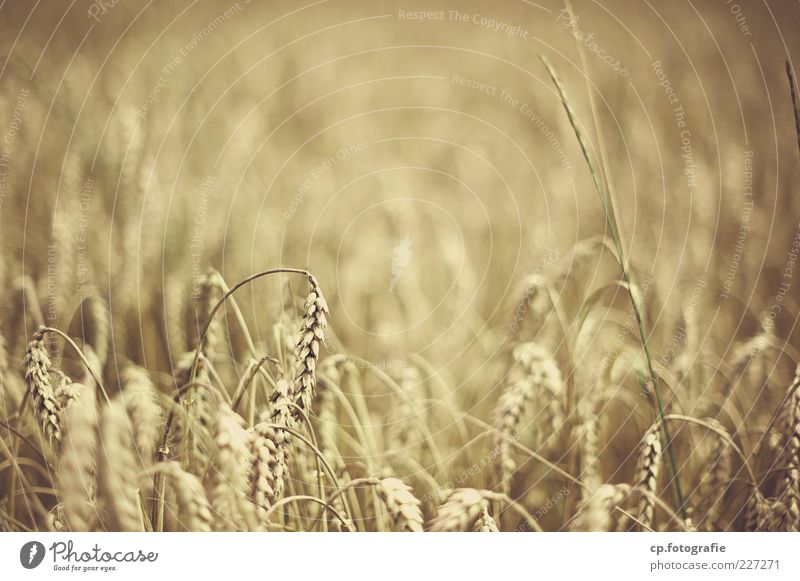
{"x": 343, "y": 266}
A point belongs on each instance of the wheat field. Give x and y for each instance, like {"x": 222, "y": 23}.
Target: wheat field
{"x": 341, "y": 266}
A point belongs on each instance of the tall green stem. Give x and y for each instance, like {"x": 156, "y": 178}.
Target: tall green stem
{"x": 612, "y": 226}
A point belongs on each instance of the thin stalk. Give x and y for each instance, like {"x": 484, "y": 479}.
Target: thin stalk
{"x": 226, "y": 295}
{"x": 612, "y": 226}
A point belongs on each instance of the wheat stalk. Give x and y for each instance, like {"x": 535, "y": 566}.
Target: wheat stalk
{"x": 327, "y": 419}
{"x": 611, "y": 221}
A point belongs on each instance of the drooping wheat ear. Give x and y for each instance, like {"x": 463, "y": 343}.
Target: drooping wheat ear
{"x": 96, "y": 326}
{"x": 647, "y": 476}
{"x": 310, "y": 339}
{"x": 460, "y": 511}
{"x": 76, "y": 474}
{"x": 141, "y": 403}
{"x": 230, "y": 477}
{"x": 120, "y": 470}
{"x": 714, "y": 483}
{"x": 597, "y": 512}
{"x": 194, "y": 510}
{"x": 401, "y": 503}
{"x": 791, "y": 494}
{"x": 270, "y": 456}
{"x": 37, "y": 375}
{"x": 535, "y": 377}
{"x": 485, "y": 524}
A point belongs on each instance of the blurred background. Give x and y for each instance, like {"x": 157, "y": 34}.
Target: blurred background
{"x": 413, "y": 155}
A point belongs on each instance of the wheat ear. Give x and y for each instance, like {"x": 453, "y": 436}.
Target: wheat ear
{"x": 485, "y": 524}
{"x": 193, "y": 506}
{"x": 460, "y": 511}
{"x": 269, "y": 454}
{"x": 76, "y": 475}
{"x": 231, "y": 473}
{"x": 535, "y": 371}
{"x": 401, "y": 503}
{"x": 597, "y": 511}
{"x": 310, "y": 339}
{"x": 792, "y": 480}
{"x": 141, "y": 403}
{"x": 37, "y": 375}
{"x": 120, "y": 472}
{"x": 647, "y": 476}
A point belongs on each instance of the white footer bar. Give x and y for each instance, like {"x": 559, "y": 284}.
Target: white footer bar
{"x": 657, "y": 556}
